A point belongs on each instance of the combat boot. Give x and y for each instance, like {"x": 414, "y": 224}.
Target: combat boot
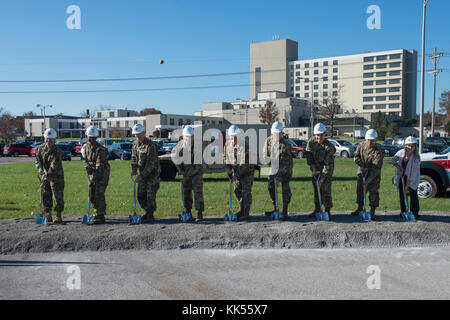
{"x": 58, "y": 218}
{"x": 48, "y": 216}
{"x": 99, "y": 219}
{"x": 329, "y": 212}
{"x": 240, "y": 212}
{"x": 285, "y": 213}
{"x": 357, "y": 211}
{"x": 148, "y": 217}
{"x": 199, "y": 216}
{"x": 372, "y": 213}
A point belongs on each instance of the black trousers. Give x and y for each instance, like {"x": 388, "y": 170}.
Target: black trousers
{"x": 413, "y": 204}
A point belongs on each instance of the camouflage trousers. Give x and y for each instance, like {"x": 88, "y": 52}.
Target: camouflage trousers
{"x": 372, "y": 189}
{"x": 52, "y": 190}
{"x": 194, "y": 183}
{"x": 97, "y": 191}
{"x": 285, "y": 188}
{"x": 146, "y": 194}
{"x": 325, "y": 194}
{"x": 243, "y": 192}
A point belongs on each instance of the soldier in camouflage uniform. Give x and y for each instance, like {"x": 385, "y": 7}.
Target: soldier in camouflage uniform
{"x": 320, "y": 157}
{"x": 144, "y": 156}
{"x": 285, "y": 165}
{"x": 95, "y": 160}
{"x": 237, "y": 158}
{"x": 369, "y": 159}
{"x": 49, "y": 163}
{"x": 192, "y": 174}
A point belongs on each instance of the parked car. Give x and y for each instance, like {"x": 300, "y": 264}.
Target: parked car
{"x": 442, "y": 142}
{"x": 389, "y": 149}
{"x": 65, "y": 148}
{"x": 168, "y": 146}
{"x": 343, "y": 147}
{"x": 108, "y": 142}
{"x": 2, "y": 145}
{"x": 120, "y": 151}
{"x": 17, "y": 149}
{"x": 78, "y": 147}
{"x": 297, "y": 151}
{"x": 73, "y": 147}
{"x": 434, "y": 174}
{"x": 34, "y": 148}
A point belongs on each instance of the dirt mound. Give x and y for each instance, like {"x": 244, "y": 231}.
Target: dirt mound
{"x": 23, "y": 235}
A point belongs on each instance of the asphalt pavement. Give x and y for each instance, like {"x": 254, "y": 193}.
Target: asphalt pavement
{"x": 267, "y": 274}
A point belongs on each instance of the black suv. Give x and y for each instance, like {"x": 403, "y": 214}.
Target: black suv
{"x": 438, "y": 144}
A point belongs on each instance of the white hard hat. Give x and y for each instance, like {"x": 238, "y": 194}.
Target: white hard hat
{"x": 320, "y": 128}
{"x": 277, "y": 127}
{"x": 50, "y": 133}
{"x": 233, "y": 130}
{"x": 410, "y": 140}
{"x": 138, "y": 128}
{"x": 92, "y": 131}
{"x": 188, "y": 131}
{"x": 371, "y": 134}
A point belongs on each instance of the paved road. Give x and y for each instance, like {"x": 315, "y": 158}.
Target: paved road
{"x": 413, "y": 273}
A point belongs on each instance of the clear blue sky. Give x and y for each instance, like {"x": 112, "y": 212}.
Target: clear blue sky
{"x": 128, "y": 38}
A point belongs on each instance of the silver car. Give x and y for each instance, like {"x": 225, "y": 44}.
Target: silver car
{"x": 343, "y": 147}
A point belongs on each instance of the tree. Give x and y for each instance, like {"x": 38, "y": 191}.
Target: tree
{"x": 147, "y": 111}
{"x": 447, "y": 127}
{"x": 116, "y": 133}
{"x": 8, "y": 127}
{"x": 410, "y": 122}
{"x": 444, "y": 103}
{"x": 269, "y": 113}
{"x": 330, "y": 108}
{"x": 393, "y": 130}
{"x": 380, "y": 124}
{"x": 29, "y": 114}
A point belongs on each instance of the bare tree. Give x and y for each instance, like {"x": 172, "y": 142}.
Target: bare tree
{"x": 330, "y": 107}
{"x": 269, "y": 113}
{"x": 148, "y": 111}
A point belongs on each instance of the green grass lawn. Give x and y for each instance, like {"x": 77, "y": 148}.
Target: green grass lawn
{"x": 19, "y": 191}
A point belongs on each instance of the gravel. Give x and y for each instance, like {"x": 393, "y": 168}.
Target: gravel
{"x": 22, "y": 235}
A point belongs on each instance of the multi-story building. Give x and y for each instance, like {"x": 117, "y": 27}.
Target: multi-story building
{"x": 361, "y": 83}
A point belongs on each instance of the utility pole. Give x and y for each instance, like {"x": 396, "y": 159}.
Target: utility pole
{"x": 422, "y": 80}
{"x": 42, "y": 107}
{"x": 435, "y": 72}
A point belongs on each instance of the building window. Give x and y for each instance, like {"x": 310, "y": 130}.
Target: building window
{"x": 325, "y": 71}
{"x": 297, "y": 80}
{"x": 60, "y": 125}
{"x": 316, "y": 94}
{"x": 381, "y": 106}
{"x": 316, "y": 64}
{"x": 335, "y": 93}
{"x": 368, "y": 67}
{"x": 335, "y": 70}
{"x": 316, "y": 71}
{"x": 188, "y": 121}
{"x": 99, "y": 114}
{"x": 394, "y": 106}
{"x": 381, "y": 82}
{"x": 381, "y": 98}
{"x": 382, "y": 74}
{"x": 316, "y": 87}
{"x": 368, "y": 107}
{"x": 382, "y": 66}
{"x": 172, "y": 121}
{"x": 394, "y": 98}
{"x": 394, "y": 81}
{"x": 296, "y": 95}
{"x": 394, "y": 73}
{"x": 325, "y": 94}
{"x": 297, "y": 88}
{"x": 368, "y": 75}
{"x": 180, "y": 122}
{"x": 297, "y": 73}
{"x": 111, "y": 114}
{"x": 325, "y": 63}
{"x": 306, "y": 87}
{"x": 118, "y": 124}
{"x": 135, "y": 122}
{"x": 367, "y": 91}
{"x": 306, "y": 95}
{"x": 367, "y": 99}
{"x": 306, "y": 65}
{"x": 306, "y": 73}
{"x": 394, "y": 65}
{"x": 368, "y": 59}
{"x": 396, "y": 89}
{"x": 381, "y": 58}
{"x": 335, "y": 78}
{"x": 126, "y": 124}
{"x": 316, "y": 101}
{"x": 335, "y": 85}
{"x": 395, "y": 56}
{"x": 325, "y": 86}
{"x": 381, "y": 90}
{"x": 335, "y": 62}
{"x": 316, "y": 79}
{"x": 325, "y": 78}
{"x": 297, "y": 66}
{"x": 368, "y": 83}
{"x": 213, "y": 121}
{"x": 306, "y": 79}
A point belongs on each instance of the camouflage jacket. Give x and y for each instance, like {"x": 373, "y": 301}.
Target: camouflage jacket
{"x": 189, "y": 169}
{"x": 284, "y": 154}
{"x": 370, "y": 158}
{"x": 320, "y": 157}
{"x": 144, "y": 156}
{"x": 237, "y": 158}
{"x": 96, "y": 158}
{"x": 50, "y": 161}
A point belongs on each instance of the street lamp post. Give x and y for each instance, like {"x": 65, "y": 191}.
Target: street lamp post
{"x": 422, "y": 82}
{"x": 43, "y": 107}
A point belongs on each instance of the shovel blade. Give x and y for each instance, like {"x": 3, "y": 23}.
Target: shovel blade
{"x": 368, "y": 217}
{"x": 325, "y": 216}
{"x": 362, "y": 216}
{"x": 230, "y": 217}
{"x": 87, "y": 219}
{"x": 135, "y": 219}
{"x": 39, "y": 219}
{"x": 185, "y": 217}
{"x": 318, "y": 216}
{"x": 404, "y": 216}
{"x": 277, "y": 215}
{"x": 411, "y": 216}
